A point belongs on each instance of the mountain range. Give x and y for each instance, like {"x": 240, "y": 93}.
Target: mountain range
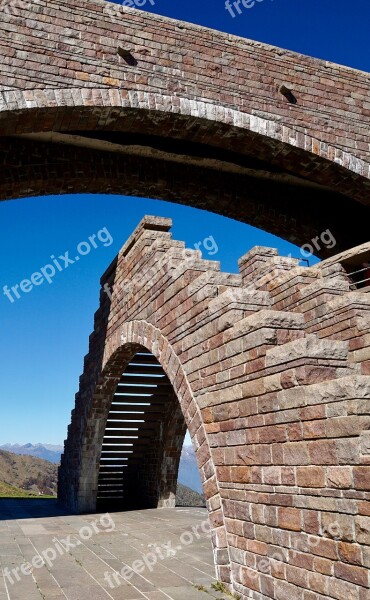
{"x": 49, "y": 452}
{"x": 188, "y": 471}
{"x": 24, "y": 476}
{"x": 29, "y": 474}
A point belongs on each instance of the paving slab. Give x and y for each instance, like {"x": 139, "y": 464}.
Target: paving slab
{"x": 135, "y": 555}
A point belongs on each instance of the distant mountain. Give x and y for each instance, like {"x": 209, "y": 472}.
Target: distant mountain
{"x": 48, "y": 452}
{"x": 23, "y": 468}
{"x": 188, "y": 471}
{"x": 28, "y": 473}
{"x": 187, "y": 497}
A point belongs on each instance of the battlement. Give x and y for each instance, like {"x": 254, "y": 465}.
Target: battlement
{"x": 270, "y": 372}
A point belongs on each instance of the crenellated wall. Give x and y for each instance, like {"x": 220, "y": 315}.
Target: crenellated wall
{"x": 271, "y": 371}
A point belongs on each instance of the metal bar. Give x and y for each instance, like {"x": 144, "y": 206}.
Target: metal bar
{"x": 359, "y": 271}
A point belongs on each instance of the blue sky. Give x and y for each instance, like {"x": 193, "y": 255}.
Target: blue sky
{"x": 335, "y": 30}
{"x": 44, "y": 334}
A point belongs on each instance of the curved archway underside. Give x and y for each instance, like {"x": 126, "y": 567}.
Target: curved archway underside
{"x": 142, "y": 441}
{"x": 147, "y": 106}
{"x": 269, "y": 370}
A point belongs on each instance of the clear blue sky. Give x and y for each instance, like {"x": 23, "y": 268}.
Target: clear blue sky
{"x": 44, "y": 334}
{"x": 335, "y": 30}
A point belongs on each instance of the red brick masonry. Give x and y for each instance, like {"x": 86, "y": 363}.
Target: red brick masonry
{"x": 271, "y": 368}
{"x": 187, "y": 114}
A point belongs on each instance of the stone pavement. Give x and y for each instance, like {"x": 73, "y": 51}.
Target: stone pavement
{"x": 81, "y": 549}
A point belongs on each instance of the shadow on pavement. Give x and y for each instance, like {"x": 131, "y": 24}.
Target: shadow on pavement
{"x": 29, "y": 508}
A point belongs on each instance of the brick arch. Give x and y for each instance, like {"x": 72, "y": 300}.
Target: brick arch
{"x": 120, "y": 348}
{"x": 238, "y": 144}
{"x": 141, "y": 334}
{"x": 155, "y": 110}
{"x": 241, "y": 166}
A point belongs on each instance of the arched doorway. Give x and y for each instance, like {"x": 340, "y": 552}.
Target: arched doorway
{"x": 82, "y": 474}
{"x": 143, "y": 439}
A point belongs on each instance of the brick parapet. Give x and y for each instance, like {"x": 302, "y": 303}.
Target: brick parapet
{"x": 274, "y": 386}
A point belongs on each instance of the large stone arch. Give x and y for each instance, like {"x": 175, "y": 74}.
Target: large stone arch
{"x": 271, "y": 369}
{"x": 80, "y": 491}
{"x": 148, "y": 106}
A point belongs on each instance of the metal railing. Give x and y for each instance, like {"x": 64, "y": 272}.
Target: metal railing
{"x": 362, "y": 282}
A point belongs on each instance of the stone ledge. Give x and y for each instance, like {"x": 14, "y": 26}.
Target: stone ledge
{"x": 148, "y": 222}
{"x": 274, "y": 319}
{"x": 309, "y": 347}
{"x": 336, "y": 390}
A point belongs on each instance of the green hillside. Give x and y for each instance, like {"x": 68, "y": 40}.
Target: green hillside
{"x": 9, "y": 491}
{"x": 24, "y": 476}
{"x": 28, "y": 475}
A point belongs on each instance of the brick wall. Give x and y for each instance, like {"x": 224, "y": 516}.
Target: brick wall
{"x": 62, "y": 82}
{"x": 271, "y": 370}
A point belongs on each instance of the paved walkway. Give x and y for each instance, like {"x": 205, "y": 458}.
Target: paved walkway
{"x": 76, "y": 557}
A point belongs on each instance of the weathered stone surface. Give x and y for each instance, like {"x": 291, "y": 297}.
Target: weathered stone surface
{"x": 269, "y": 318}
{"x": 309, "y": 347}
{"x": 85, "y": 570}
{"x": 363, "y": 530}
